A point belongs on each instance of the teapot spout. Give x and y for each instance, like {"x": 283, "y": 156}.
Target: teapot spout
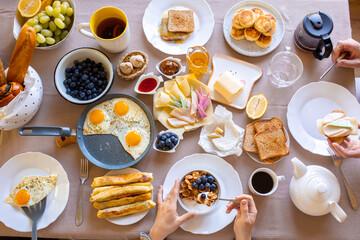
{"x": 300, "y": 168}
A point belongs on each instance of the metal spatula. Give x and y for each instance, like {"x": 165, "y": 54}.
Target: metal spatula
{"x": 35, "y": 212}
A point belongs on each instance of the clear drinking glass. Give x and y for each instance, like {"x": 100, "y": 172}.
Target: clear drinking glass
{"x": 285, "y": 68}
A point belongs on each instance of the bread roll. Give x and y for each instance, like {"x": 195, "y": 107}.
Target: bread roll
{"x": 120, "y": 192}
{"x": 126, "y": 209}
{"x": 122, "y": 201}
{"x": 102, "y": 189}
{"x": 122, "y": 179}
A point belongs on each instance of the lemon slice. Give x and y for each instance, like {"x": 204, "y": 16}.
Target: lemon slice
{"x": 29, "y": 8}
{"x": 256, "y": 106}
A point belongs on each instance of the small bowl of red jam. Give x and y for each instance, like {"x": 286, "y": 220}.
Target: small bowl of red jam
{"x": 148, "y": 83}
{"x": 170, "y": 67}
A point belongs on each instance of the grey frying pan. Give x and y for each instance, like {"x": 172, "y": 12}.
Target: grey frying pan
{"x": 103, "y": 150}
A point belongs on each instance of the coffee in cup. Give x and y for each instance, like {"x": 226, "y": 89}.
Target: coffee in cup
{"x": 264, "y": 182}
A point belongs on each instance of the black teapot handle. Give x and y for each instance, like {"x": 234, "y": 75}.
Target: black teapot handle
{"x": 324, "y": 48}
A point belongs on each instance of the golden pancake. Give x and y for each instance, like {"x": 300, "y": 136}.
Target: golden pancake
{"x": 251, "y": 34}
{"x": 257, "y": 11}
{"x": 247, "y": 18}
{"x": 239, "y": 11}
{"x": 237, "y": 34}
{"x": 263, "y": 24}
{"x": 272, "y": 29}
{"x": 271, "y": 17}
{"x": 264, "y": 41}
{"x": 235, "y": 22}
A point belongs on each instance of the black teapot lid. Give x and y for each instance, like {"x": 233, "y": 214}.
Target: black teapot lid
{"x": 318, "y": 24}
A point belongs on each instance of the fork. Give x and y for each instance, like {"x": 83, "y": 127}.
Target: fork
{"x": 338, "y": 161}
{"x": 84, "y": 173}
{"x": 35, "y": 212}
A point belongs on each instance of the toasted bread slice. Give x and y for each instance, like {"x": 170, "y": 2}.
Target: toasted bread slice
{"x": 181, "y": 21}
{"x": 249, "y": 142}
{"x": 170, "y": 36}
{"x": 268, "y": 125}
{"x": 271, "y": 144}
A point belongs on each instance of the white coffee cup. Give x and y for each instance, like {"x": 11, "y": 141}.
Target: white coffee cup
{"x": 275, "y": 182}
{"x": 113, "y": 45}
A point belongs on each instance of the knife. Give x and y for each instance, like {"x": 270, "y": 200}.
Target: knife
{"x": 331, "y": 67}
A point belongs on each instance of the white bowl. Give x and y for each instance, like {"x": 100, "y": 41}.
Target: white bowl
{"x": 25, "y": 105}
{"x": 177, "y": 60}
{"x": 19, "y": 21}
{"x": 68, "y": 61}
{"x": 205, "y": 209}
{"x": 158, "y": 79}
{"x": 180, "y": 137}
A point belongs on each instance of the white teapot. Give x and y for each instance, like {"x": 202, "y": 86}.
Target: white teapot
{"x": 315, "y": 190}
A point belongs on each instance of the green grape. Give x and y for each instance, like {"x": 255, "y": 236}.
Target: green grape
{"x": 45, "y": 25}
{"x": 60, "y": 24}
{"x": 56, "y": 11}
{"x": 43, "y": 44}
{"x": 50, "y": 40}
{"x": 66, "y": 3}
{"x": 69, "y": 12}
{"x": 37, "y": 44}
{"x": 57, "y": 32}
{"x": 67, "y": 20}
{"x": 57, "y": 39}
{"x": 36, "y": 17}
{"x": 37, "y": 28}
{"x": 52, "y": 26}
{"x": 63, "y": 8}
{"x": 40, "y": 38}
{"x": 48, "y": 10}
{"x": 32, "y": 22}
{"x": 47, "y": 33}
{"x": 63, "y": 34}
{"x": 56, "y": 4}
{"x": 44, "y": 19}
{"x": 62, "y": 18}
{"x": 42, "y": 14}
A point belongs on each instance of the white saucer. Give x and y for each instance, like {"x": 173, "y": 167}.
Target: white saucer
{"x": 312, "y": 102}
{"x": 228, "y": 180}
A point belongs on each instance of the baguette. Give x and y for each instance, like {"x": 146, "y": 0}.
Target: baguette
{"x": 122, "y": 179}
{"x": 120, "y": 192}
{"x": 22, "y": 54}
{"x": 102, "y": 189}
{"x": 126, "y": 209}
{"x": 122, "y": 201}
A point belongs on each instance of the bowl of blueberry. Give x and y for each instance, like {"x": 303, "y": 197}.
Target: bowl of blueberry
{"x": 167, "y": 141}
{"x": 199, "y": 191}
{"x": 83, "y": 75}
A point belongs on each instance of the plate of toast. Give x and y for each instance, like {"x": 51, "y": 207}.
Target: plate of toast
{"x": 266, "y": 141}
{"x": 253, "y": 28}
{"x": 175, "y": 25}
{"x": 313, "y": 102}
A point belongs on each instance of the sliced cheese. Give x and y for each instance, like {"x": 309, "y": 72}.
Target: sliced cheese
{"x": 183, "y": 85}
{"x": 162, "y": 100}
{"x": 228, "y": 86}
{"x": 171, "y": 87}
{"x": 183, "y": 114}
{"x": 177, "y": 123}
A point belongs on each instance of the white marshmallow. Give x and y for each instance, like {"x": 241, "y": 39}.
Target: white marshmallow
{"x": 137, "y": 61}
{"x": 126, "y": 67}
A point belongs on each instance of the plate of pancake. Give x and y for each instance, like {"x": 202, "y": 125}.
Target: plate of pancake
{"x": 253, "y": 28}
{"x": 173, "y": 26}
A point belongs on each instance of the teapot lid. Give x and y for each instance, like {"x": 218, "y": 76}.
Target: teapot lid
{"x": 313, "y": 192}
{"x": 318, "y": 24}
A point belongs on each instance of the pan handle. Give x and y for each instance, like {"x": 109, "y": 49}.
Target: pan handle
{"x": 45, "y": 131}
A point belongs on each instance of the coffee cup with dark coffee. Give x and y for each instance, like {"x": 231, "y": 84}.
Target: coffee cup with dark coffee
{"x": 264, "y": 181}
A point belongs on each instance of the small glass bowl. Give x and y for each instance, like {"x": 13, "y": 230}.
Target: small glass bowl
{"x": 178, "y": 61}
{"x": 180, "y": 137}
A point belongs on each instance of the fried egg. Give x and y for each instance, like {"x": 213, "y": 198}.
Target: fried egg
{"x": 127, "y": 110}
{"x": 97, "y": 120}
{"x": 135, "y": 140}
{"x": 31, "y": 190}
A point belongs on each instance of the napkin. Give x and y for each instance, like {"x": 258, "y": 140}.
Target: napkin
{"x": 230, "y": 143}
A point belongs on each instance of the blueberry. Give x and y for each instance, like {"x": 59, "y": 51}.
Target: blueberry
{"x": 88, "y": 60}
{"x": 173, "y": 135}
{"x": 157, "y": 146}
{"x": 207, "y": 185}
{"x": 168, "y": 142}
{"x": 80, "y": 68}
{"x": 194, "y": 185}
{"x": 76, "y": 74}
{"x": 173, "y": 139}
{"x": 99, "y": 82}
{"x": 198, "y": 180}
{"x": 87, "y": 81}
{"x": 94, "y": 90}
{"x": 76, "y": 92}
{"x": 73, "y": 68}
{"x": 91, "y": 85}
{"x": 73, "y": 78}
{"x": 82, "y": 94}
{"x": 203, "y": 196}
{"x": 94, "y": 95}
{"x": 172, "y": 146}
{"x": 78, "y": 83}
{"x": 159, "y": 136}
{"x": 204, "y": 178}
{"x": 103, "y": 74}
{"x": 85, "y": 77}
{"x": 85, "y": 98}
{"x": 67, "y": 91}
{"x": 161, "y": 143}
{"x": 167, "y": 135}
{"x": 201, "y": 186}
{"x": 67, "y": 86}
{"x": 67, "y": 70}
{"x": 65, "y": 82}
{"x": 85, "y": 72}
{"x": 88, "y": 92}
{"x": 210, "y": 179}
{"x": 83, "y": 85}
{"x": 81, "y": 88}
{"x": 76, "y": 62}
{"x": 166, "y": 148}
{"x": 89, "y": 65}
{"x": 95, "y": 70}
{"x": 213, "y": 187}
{"x": 163, "y": 138}
{"x": 73, "y": 84}
{"x": 101, "y": 68}
{"x": 100, "y": 90}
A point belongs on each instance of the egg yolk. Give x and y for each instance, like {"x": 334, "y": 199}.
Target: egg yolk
{"x": 97, "y": 116}
{"x": 133, "y": 138}
{"x": 121, "y": 108}
{"x": 22, "y": 197}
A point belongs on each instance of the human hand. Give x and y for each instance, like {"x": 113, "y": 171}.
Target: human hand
{"x": 352, "y": 59}
{"x": 245, "y": 217}
{"x": 348, "y": 149}
{"x": 167, "y": 219}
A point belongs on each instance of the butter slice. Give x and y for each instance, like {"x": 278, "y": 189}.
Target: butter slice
{"x": 218, "y": 130}
{"x": 228, "y": 86}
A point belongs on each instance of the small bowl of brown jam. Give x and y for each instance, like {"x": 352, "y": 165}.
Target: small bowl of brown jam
{"x": 170, "y": 67}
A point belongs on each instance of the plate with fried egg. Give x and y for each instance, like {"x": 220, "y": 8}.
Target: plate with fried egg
{"x": 26, "y": 179}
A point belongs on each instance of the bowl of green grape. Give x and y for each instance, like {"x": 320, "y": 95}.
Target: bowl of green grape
{"x": 52, "y": 25}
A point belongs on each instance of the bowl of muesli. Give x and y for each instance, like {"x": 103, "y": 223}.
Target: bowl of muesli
{"x": 199, "y": 192}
